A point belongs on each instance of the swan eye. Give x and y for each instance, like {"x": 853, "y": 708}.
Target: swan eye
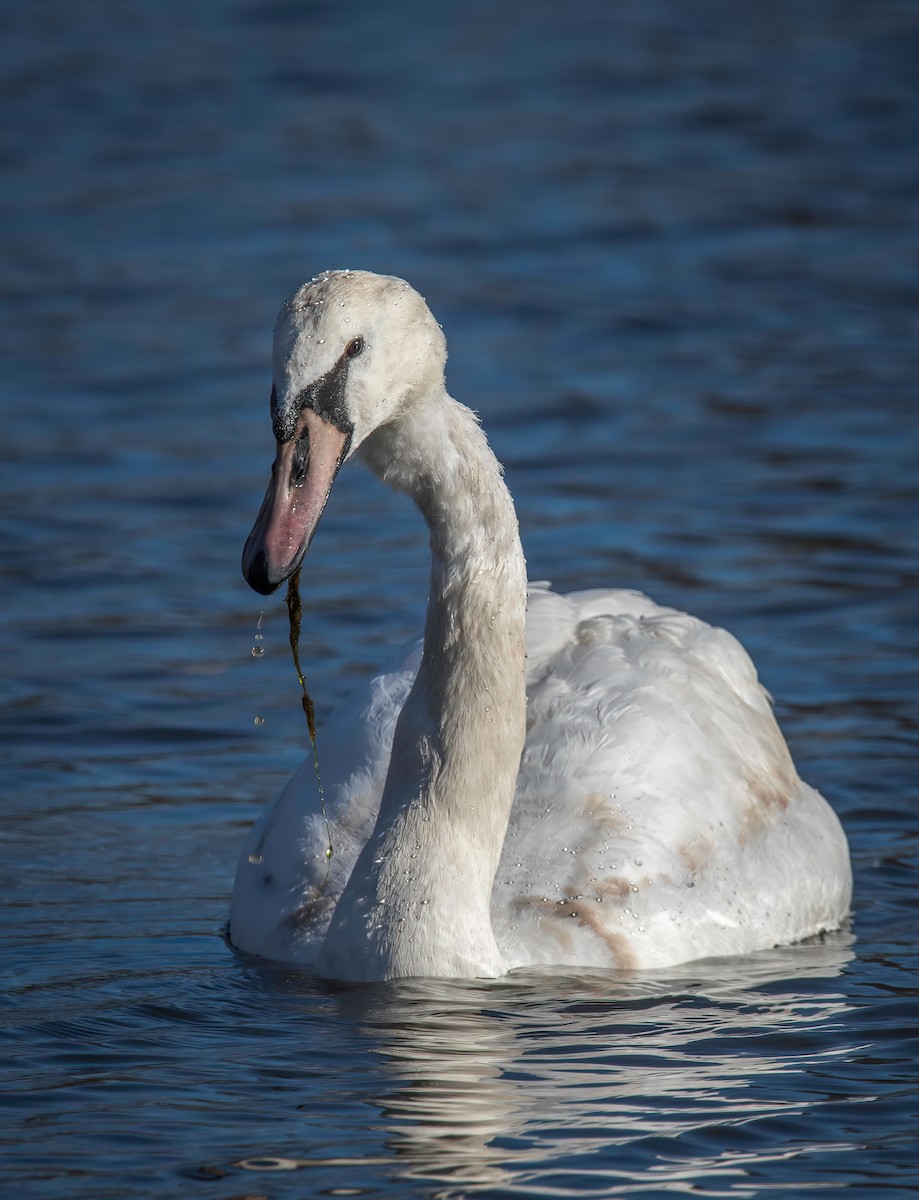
{"x": 354, "y": 347}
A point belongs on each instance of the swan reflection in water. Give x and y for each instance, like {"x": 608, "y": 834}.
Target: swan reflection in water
{"x": 539, "y": 1078}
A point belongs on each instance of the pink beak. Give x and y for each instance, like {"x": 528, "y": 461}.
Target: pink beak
{"x": 302, "y": 475}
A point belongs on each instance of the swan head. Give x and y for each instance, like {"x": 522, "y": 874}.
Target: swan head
{"x": 353, "y": 352}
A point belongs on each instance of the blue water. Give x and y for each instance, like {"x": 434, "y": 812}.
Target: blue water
{"x": 674, "y": 248}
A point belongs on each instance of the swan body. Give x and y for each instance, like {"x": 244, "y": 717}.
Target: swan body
{"x": 588, "y": 779}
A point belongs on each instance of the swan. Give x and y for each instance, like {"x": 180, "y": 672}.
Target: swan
{"x": 586, "y": 779}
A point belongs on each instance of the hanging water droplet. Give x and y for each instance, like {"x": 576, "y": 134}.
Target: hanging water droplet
{"x": 259, "y": 721}
{"x": 255, "y": 859}
{"x": 258, "y": 650}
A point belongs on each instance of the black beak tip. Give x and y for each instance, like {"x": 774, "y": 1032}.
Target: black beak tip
{"x": 255, "y": 572}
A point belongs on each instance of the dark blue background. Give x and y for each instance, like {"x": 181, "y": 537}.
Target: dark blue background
{"x": 674, "y": 248}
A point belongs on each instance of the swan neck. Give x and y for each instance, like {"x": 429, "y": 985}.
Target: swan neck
{"x": 418, "y": 901}
{"x": 469, "y": 698}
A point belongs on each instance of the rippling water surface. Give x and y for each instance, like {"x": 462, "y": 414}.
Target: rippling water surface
{"x": 675, "y": 251}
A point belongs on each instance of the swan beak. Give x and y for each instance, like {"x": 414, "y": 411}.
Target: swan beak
{"x": 304, "y": 470}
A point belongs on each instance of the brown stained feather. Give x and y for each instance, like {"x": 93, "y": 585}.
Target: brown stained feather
{"x": 600, "y": 809}
{"x": 769, "y": 799}
{"x": 696, "y": 854}
{"x": 589, "y": 915}
{"x": 309, "y": 913}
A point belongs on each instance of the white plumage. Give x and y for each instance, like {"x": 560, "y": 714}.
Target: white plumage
{"x": 654, "y": 815}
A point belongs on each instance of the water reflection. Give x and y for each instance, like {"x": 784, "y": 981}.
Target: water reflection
{"x": 598, "y": 1081}
{"x": 451, "y": 1104}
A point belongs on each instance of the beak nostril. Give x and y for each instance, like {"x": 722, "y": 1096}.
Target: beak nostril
{"x": 300, "y": 462}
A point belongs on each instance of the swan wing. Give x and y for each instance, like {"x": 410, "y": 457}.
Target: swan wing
{"x": 658, "y": 815}
{"x": 287, "y": 885}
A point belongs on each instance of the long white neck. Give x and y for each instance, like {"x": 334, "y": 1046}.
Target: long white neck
{"x": 417, "y": 902}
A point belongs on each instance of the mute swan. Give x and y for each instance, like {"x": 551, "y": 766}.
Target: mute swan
{"x": 620, "y": 796}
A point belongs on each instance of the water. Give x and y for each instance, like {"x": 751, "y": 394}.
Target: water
{"x": 675, "y": 251}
